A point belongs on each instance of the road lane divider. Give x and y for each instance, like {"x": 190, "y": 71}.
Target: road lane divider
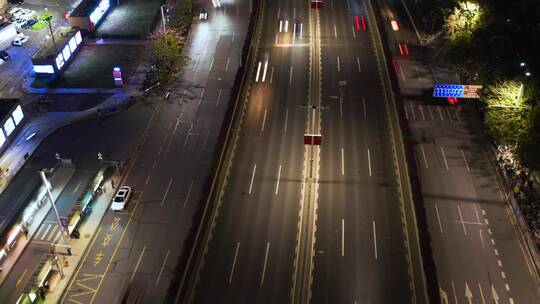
{"x": 234, "y": 262}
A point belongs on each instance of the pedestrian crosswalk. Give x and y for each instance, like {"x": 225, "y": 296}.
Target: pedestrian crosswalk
{"x": 48, "y": 232}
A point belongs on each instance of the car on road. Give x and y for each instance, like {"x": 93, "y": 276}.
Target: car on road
{"x": 203, "y": 15}
{"x": 5, "y": 56}
{"x": 20, "y": 40}
{"x": 121, "y": 198}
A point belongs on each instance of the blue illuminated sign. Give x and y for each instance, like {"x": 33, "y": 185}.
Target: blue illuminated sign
{"x": 448, "y": 90}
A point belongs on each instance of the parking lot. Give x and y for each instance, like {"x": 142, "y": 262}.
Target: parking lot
{"x": 14, "y": 71}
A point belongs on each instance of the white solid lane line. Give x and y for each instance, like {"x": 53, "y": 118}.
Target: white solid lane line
{"x": 137, "y": 265}
{"x": 212, "y": 64}
{"x": 252, "y": 177}
{"x": 265, "y": 260}
{"x": 342, "y": 162}
{"x": 369, "y": 161}
{"x": 234, "y": 262}
{"x": 286, "y": 118}
{"x": 290, "y": 75}
{"x": 287, "y": 25}
{"x": 335, "y": 31}
{"x": 424, "y": 156}
{"x": 375, "y": 241}
{"x": 461, "y": 218}
{"x": 218, "y": 98}
{"x": 166, "y": 191}
{"x": 278, "y": 177}
{"x": 264, "y": 120}
{"x": 342, "y": 237}
{"x": 365, "y": 110}
{"x": 338, "y": 67}
{"x": 196, "y": 62}
{"x": 444, "y": 157}
{"x": 264, "y": 71}
{"x": 271, "y": 75}
{"x": 186, "y": 200}
{"x": 481, "y": 293}
{"x": 454, "y": 292}
{"x": 227, "y": 65}
{"x": 358, "y": 64}
{"x": 162, "y": 267}
{"x": 280, "y": 26}
{"x": 294, "y": 33}
{"x": 258, "y": 71}
{"x": 465, "y": 159}
{"x": 438, "y": 218}
{"x": 353, "y": 32}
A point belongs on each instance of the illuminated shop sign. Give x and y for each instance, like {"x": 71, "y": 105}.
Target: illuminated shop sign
{"x": 99, "y": 11}
{"x": 66, "y": 52}
{"x": 47, "y": 69}
{"x": 2, "y": 139}
{"x": 17, "y": 115}
{"x": 9, "y": 126}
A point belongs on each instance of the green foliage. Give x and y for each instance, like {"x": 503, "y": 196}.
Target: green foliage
{"x": 166, "y": 49}
{"x": 504, "y": 93}
{"x": 507, "y": 126}
{"x": 528, "y": 150}
{"x": 183, "y": 15}
{"x": 464, "y": 20}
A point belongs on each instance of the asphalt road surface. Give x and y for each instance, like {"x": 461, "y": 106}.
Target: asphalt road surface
{"x": 359, "y": 239}
{"x": 140, "y": 247}
{"x": 479, "y": 253}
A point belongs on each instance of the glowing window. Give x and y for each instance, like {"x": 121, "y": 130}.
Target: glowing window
{"x": 9, "y": 126}
{"x": 17, "y": 115}
{"x": 66, "y": 52}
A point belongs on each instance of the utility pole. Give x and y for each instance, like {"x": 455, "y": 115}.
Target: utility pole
{"x": 48, "y": 19}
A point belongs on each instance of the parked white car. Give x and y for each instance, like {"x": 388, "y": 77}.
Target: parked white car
{"x": 2, "y": 61}
{"x": 121, "y": 199}
{"x": 19, "y": 41}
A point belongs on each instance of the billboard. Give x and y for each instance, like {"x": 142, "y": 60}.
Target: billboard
{"x": 456, "y": 90}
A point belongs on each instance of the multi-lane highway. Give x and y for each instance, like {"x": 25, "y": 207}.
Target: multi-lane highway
{"x": 298, "y": 222}
{"x": 479, "y": 253}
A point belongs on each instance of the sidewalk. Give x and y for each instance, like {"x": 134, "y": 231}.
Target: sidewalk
{"x": 59, "y": 180}
{"x": 78, "y": 246}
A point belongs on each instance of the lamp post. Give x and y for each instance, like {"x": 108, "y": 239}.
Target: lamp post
{"x": 51, "y": 200}
{"x": 48, "y": 19}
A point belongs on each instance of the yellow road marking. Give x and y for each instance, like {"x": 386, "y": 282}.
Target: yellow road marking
{"x": 21, "y": 277}
{"x": 114, "y": 252}
{"x": 75, "y": 301}
{"x": 84, "y": 259}
{"x": 89, "y": 277}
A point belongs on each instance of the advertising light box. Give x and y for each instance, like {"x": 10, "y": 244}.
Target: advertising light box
{"x": 59, "y": 61}
{"x": 9, "y": 126}
{"x": 47, "y": 69}
{"x": 66, "y": 52}
{"x": 2, "y": 139}
{"x": 78, "y": 37}
{"x": 17, "y": 115}
{"x": 72, "y": 44}
{"x": 99, "y": 11}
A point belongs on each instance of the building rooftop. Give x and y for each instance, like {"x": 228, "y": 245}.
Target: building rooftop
{"x": 84, "y": 8}
{"x": 6, "y": 105}
{"x": 61, "y": 36}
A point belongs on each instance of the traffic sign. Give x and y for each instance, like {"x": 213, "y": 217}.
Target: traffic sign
{"x": 312, "y": 139}
{"x": 456, "y": 90}
{"x": 316, "y": 4}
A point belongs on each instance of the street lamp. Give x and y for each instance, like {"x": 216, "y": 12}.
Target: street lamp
{"x": 48, "y": 19}
{"x": 51, "y": 200}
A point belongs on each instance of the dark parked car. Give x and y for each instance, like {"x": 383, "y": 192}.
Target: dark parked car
{"x": 28, "y": 24}
{"x": 4, "y": 56}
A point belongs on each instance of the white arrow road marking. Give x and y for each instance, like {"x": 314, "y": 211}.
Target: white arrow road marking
{"x": 468, "y": 293}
